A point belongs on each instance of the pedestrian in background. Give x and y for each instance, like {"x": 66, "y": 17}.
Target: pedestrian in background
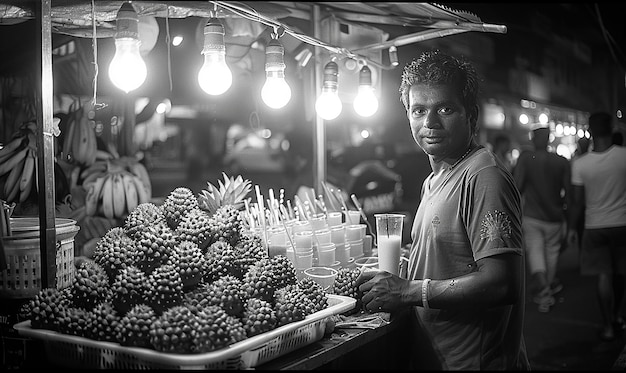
{"x": 502, "y": 149}
{"x": 543, "y": 179}
{"x": 598, "y": 185}
{"x": 582, "y": 147}
{"x": 466, "y": 278}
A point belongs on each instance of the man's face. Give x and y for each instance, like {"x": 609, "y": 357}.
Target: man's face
{"x": 439, "y": 123}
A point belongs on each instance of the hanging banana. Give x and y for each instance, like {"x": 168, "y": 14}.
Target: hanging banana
{"x": 26, "y": 180}
{"x": 107, "y": 198}
{"x": 119, "y": 196}
{"x": 10, "y": 163}
{"x": 130, "y": 190}
{"x": 94, "y": 195}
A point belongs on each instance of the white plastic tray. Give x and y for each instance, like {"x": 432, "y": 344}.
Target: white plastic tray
{"x": 73, "y": 351}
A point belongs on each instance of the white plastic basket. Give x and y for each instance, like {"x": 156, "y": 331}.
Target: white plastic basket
{"x": 78, "y": 352}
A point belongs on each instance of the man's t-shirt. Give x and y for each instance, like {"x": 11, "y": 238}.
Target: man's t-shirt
{"x": 541, "y": 178}
{"x": 472, "y": 213}
{"x": 603, "y": 174}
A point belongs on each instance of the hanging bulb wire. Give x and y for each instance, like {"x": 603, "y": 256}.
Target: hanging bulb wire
{"x": 94, "y": 44}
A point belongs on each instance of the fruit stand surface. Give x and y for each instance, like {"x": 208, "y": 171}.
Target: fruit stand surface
{"x": 379, "y": 347}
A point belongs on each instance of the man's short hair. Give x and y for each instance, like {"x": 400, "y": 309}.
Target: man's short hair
{"x": 435, "y": 67}
{"x": 600, "y": 124}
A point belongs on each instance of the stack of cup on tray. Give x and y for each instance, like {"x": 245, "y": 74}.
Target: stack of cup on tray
{"x": 332, "y": 240}
{"x": 309, "y": 234}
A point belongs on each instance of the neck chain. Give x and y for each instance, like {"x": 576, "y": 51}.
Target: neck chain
{"x": 462, "y": 157}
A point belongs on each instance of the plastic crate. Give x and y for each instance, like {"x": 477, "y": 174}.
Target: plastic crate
{"x": 22, "y": 278}
{"x": 78, "y": 352}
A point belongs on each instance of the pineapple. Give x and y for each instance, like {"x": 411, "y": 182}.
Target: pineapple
{"x": 223, "y": 205}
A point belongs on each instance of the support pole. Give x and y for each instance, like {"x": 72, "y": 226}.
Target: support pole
{"x": 319, "y": 144}
{"x": 45, "y": 147}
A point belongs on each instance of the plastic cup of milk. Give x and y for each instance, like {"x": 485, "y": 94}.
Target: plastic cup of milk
{"x": 389, "y": 241}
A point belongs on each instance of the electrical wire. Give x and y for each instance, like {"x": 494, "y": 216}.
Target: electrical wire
{"x": 607, "y": 37}
{"x": 94, "y": 44}
{"x": 168, "y": 42}
{"x": 255, "y": 16}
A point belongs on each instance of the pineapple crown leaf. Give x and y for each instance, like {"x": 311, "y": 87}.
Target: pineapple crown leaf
{"x": 227, "y": 179}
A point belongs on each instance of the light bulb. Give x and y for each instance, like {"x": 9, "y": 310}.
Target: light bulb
{"x": 214, "y": 77}
{"x": 127, "y": 69}
{"x": 365, "y": 102}
{"x": 328, "y": 105}
{"x": 275, "y": 92}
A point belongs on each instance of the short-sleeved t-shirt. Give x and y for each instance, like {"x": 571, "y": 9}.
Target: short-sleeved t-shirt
{"x": 541, "y": 178}
{"x": 603, "y": 174}
{"x": 472, "y": 213}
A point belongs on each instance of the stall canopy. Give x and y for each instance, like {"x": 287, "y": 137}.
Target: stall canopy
{"x": 412, "y": 22}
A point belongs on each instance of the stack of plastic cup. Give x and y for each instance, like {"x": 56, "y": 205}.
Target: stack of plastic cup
{"x": 326, "y": 254}
{"x": 354, "y": 237}
{"x": 334, "y": 218}
{"x": 304, "y": 249}
{"x": 300, "y": 225}
{"x": 352, "y": 217}
{"x": 342, "y": 251}
{"x": 277, "y": 241}
{"x": 322, "y": 236}
{"x": 289, "y": 225}
{"x": 318, "y": 222}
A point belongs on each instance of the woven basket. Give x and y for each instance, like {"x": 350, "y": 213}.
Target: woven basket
{"x": 22, "y": 278}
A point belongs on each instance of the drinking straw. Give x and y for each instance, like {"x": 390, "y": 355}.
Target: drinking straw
{"x": 290, "y": 209}
{"x": 293, "y": 245}
{"x": 387, "y": 226}
{"x": 343, "y": 203}
{"x": 272, "y": 199}
{"x": 329, "y": 194}
{"x": 358, "y": 207}
{"x": 259, "y": 198}
{"x": 249, "y": 213}
{"x": 308, "y": 199}
{"x": 322, "y": 204}
{"x": 300, "y": 206}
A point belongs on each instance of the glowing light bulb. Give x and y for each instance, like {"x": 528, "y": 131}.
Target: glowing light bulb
{"x": 127, "y": 69}
{"x": 276, "y": 93}
{"x": 365, "y": 102}
{"x": 328, "y": 105}
{"x": 214, "y": 77}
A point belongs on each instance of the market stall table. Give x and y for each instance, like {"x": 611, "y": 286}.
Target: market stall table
{"x": 380, "y": 347}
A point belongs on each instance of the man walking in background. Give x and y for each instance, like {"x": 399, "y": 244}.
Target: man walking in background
{"x": 543, "y": 179}
{"x": 598, "y": 184}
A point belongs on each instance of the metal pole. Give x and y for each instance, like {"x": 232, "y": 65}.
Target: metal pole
{"x": 45, "y": 148}
{"x": 319, "y": 144}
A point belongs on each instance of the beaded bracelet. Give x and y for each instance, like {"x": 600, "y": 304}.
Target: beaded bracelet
{"x": 425, "y": 293}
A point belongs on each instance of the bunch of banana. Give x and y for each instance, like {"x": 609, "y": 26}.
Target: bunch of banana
{"x": 106, "y": 163}
{"x": 18, "y": 160}
{"x": 114, "y": 194}
{"x": 79, "y": 143}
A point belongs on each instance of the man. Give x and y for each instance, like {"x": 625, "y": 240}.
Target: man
{"x": 465, "y": 284}
{"x": 502, "y": 149}
{"x": 543, "y": 179}
{"x": 598, "y": 184}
